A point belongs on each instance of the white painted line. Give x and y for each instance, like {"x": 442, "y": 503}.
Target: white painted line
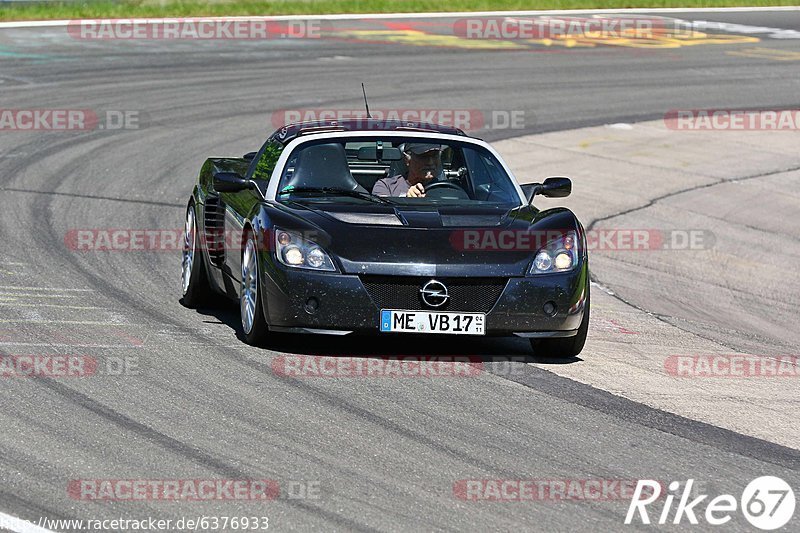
{"x": 69, "y": 345}
{"x": 18, "y": 525}
{"x": 3, "y": 302}
{"x": 16, "y": 288}
{"x": 82, "y": 322}
{"x": 33, "y": 295}
{"x": 455, "y": 14}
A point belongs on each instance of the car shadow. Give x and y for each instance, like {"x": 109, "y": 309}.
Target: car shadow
{"x": 484, "y": 349}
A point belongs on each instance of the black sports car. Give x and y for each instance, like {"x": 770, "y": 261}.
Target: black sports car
{"x": 382, "y": 228}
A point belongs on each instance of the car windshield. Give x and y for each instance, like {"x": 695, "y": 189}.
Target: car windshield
{"x": 413, "y": 171}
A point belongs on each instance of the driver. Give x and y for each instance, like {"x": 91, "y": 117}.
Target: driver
{"x": 424, "y": 162}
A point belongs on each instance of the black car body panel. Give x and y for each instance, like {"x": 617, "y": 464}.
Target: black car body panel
{"x": 382, "y": 255}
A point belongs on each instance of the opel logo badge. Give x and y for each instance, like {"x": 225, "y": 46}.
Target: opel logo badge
{"x": 434, "y": 293}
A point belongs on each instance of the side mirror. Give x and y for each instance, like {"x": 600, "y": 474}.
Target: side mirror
{"x": 530, "y": 190}
{"x": 553, "y": 187}
{"x": 231, "y": 182}
{"x": 556, "y": 187}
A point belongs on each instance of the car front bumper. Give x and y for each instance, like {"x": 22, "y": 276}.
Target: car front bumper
{"x": 344, "y": 305}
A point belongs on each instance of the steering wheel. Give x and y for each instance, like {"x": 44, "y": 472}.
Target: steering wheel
{"x": 441, "y": 185}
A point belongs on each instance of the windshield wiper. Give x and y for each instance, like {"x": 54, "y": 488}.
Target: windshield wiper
{"x": 332, "y": 191}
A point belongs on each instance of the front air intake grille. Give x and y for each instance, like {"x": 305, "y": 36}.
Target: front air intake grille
{"x": 475, "y": 295}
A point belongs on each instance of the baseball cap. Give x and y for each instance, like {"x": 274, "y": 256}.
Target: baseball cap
{"x": 421, "y": 148}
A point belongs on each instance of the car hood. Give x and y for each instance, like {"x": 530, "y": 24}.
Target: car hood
{"x": 481, "y": 241}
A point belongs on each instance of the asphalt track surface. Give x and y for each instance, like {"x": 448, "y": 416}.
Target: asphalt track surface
{"x": 384, "y": 453}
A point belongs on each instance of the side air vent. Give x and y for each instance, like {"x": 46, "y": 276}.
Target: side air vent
{"x": 215, "y": 230}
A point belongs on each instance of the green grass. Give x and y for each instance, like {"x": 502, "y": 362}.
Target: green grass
{"x": 184, "y": 8}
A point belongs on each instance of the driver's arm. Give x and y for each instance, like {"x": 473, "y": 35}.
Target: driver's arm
{"x": 381, "y": 189}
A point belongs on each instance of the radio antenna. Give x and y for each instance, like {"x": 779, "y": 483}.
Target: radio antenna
{"x": 366, "y": 104}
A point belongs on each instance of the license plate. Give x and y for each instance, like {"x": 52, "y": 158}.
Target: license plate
{"x": 432, "y": 322}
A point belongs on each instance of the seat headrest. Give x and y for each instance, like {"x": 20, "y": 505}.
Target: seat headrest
{"x": 323, "y": 165}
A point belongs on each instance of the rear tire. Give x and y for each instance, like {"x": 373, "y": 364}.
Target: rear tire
{"x": 251, "y": 308}
{"x": 194, "y": 281}
{"x": 562, "y": 347}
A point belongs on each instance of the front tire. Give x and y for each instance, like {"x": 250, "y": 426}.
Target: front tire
{"x": 194, "y": 281}
{"x": 563, "y": 347}
{"x": 254, "y": 326}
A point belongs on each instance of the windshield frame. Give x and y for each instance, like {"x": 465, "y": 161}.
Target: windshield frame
{"x": 291, "y": 147}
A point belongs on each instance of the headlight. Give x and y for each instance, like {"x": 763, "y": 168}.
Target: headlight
{"x": 558, "y": 255}
{"x": 543, "y": 261}
{"x": 295, "y": 251}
